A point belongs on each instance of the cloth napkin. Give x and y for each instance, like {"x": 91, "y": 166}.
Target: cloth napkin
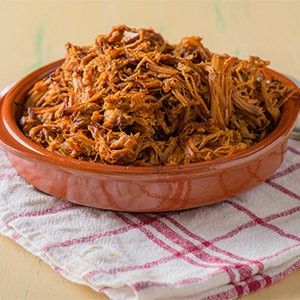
{"x": 217, "y": 252}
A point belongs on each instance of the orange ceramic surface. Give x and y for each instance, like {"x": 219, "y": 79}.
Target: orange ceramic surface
{"x": 139, "y": 189}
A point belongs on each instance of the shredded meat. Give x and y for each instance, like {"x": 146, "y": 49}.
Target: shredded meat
{"x": 131, "y": 98}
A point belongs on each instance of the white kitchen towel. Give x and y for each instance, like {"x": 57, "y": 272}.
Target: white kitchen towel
{"x": 217, "y": 252}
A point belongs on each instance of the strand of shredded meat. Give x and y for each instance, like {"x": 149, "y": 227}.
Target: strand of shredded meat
{"x": 133, "y": 99}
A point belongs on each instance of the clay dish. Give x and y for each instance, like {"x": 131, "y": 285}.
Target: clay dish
{"x": 138, "y": 189}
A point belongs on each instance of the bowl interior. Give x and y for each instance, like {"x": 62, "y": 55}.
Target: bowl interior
{"x": 12, "y": 104}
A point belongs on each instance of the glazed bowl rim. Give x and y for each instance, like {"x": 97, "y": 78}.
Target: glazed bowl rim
{"x": 19, "y": 144}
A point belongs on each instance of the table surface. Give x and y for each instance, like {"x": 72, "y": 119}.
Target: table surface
{"x": 34, "y": 32}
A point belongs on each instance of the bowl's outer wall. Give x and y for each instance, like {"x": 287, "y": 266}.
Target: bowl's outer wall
{"x": 140, "y": 195}
{"x": 137, "y": 192}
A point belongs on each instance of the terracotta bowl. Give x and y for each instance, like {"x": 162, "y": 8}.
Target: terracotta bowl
{"x": 138, "y": 189}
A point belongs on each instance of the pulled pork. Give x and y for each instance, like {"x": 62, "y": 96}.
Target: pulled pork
{"x": 131, "y": 98}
